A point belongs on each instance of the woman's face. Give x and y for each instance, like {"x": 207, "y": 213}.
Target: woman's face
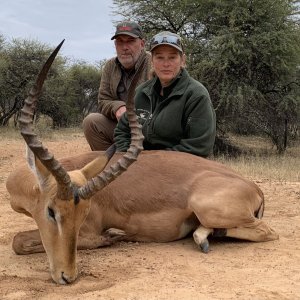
{"x": 167, "y": 61}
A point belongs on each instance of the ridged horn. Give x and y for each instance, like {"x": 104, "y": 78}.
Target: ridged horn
{"x": 26, "y": 126}
{"x": 98, "y": 182}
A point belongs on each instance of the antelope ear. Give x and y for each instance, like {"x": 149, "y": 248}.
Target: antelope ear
{"x": 97, "y": 165}
{"x": 37, "y": 168}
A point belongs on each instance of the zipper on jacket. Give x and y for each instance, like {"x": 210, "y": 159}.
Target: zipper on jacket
{"x": 150, "y": 118}
{"x": 188, "y": 121}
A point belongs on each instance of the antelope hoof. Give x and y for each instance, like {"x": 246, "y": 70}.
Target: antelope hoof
{"x": 204, "y": 246}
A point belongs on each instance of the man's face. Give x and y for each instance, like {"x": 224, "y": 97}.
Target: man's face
{"x": 128, "y": 50}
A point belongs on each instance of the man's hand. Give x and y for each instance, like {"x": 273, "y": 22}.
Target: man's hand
{"x": 120, "y": 112}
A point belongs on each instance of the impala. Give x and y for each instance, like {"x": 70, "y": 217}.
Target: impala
{"x": 95, "y": 199}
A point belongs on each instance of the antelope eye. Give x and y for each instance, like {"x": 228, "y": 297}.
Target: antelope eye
{"x": 51, "y": 213}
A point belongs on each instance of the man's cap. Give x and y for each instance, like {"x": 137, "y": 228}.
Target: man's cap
{"x": 129, "y": 28}
{"x": 166, "y": 38}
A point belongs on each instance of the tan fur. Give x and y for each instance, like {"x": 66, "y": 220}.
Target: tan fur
{"x": 162, "y": 197}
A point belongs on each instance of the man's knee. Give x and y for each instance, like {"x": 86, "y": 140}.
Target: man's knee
{"x": 90, "y": 121}
{"x": 98, "y": 131}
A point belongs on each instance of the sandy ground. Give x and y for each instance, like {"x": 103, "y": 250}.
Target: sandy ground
{"x": 231, "y": 270}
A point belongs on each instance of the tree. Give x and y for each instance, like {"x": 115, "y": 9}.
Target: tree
{"x": 69, "y": 93}
{"x": 2, "y": 42}
{"x": 158, "y": 15}
{"x": 83, "y": 85}
{"x": 20, "y": 63}
{"x": 255, "y": 54}
{"x": 245, "y": 52}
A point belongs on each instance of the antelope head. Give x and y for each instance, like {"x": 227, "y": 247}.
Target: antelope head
{"x": 62, "y": 199}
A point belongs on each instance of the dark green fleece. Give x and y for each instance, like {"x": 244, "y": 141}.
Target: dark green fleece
{"x": 183, "y": 119}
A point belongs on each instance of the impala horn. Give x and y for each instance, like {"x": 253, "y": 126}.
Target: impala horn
{"x": 63, "y": 180}
{"x": 65, "y": 189}
{"x": 98, "y": 182}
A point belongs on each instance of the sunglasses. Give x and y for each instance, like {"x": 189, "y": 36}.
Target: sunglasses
{"x": 167, "y": 39}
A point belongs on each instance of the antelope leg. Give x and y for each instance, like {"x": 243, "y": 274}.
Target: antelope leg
{"x": 28, "y": 242}
{"x": 93, "y": 241}
{"x": 200, "y": 237}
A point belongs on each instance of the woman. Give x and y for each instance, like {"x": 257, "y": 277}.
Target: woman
{"x": 174, "y": 109}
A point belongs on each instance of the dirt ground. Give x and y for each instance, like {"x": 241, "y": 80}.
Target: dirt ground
{"x": 231, "y": 270}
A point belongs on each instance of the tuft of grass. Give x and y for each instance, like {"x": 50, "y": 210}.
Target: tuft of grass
{"x": 278, "y": 168}
{"x": 50, "y": 134}
{"x": 260, "y": 160}
{"x": 10, "y": 133}
{"x": 43, "y": 132}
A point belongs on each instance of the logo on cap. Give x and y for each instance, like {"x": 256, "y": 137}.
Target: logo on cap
{"x": 129, "y": 28}
{"x": 125, "y": 28}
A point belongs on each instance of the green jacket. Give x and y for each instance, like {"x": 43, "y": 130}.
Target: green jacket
{"x": 183, "y": 120}
{"x": 111, "y": 75}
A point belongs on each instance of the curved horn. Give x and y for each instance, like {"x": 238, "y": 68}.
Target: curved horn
{"x": 26, "y": 127}
{"x": 104, "y": 178}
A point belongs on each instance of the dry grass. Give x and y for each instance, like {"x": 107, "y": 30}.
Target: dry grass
{"x": 44, "y": 133}
{"x": 262, "y": 163}
{"x": 278, "y": 168}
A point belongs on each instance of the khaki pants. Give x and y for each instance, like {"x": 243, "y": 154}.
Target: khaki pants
{"x": 99, "y": 131}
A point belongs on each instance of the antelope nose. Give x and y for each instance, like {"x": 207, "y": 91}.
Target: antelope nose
{"x": 65, "y": 279}
{"x": 64, "y": 274}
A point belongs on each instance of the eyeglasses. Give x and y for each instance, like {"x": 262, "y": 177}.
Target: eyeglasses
{"x": 166, "y": 39}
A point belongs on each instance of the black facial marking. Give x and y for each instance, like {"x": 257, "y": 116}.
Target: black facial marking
{"x": 76, "y": 196}
{"x": 51, "y": 213}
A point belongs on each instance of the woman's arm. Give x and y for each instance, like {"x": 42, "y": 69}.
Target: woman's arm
{"x": 122, "y": 134}
{"x": 200, "y": 128}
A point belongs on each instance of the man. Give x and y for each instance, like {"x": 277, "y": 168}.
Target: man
{"x": 116, "y": 79}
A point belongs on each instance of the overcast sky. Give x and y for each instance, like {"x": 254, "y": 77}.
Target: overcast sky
{"x": 85, "y": 24}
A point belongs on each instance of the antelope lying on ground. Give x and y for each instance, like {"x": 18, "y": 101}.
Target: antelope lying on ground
{"x": 162, "y": 197}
